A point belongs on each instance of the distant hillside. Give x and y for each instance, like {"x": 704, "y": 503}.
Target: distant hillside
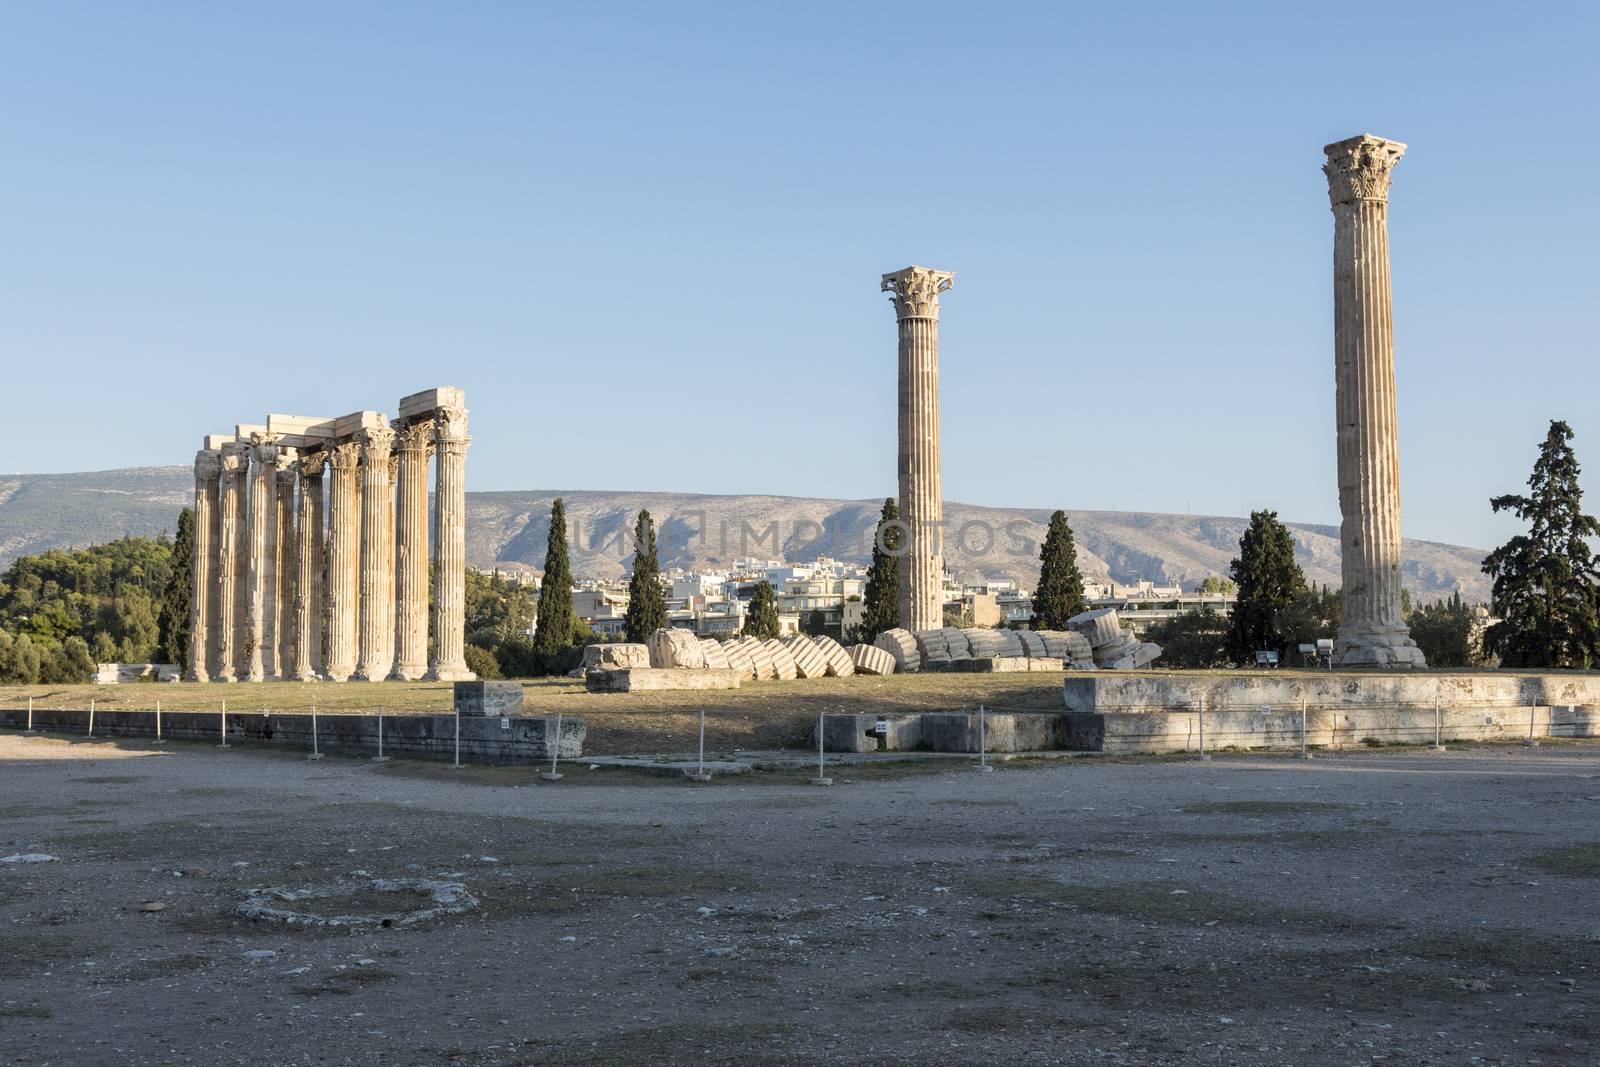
{"x": 44, "y": 511}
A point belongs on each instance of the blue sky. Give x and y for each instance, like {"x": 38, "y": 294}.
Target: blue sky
{"x": 647, "y": 239}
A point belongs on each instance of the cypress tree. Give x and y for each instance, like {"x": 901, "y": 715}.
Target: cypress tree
{"x": 1270, "y": 585}
{"x": 762, "y": 621}
{"x": 552, "y": 632}
{"x": 1060, "y": 593}
{"x": 647, "y": 603}
{"x": 178, "y": 598}
{"x": 881, "y": 604}
{"x": 1545, "y": 580}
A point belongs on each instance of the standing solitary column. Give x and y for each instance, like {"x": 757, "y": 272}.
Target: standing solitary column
{"x": 287, "y": 555}
{"x": 203, "y": 603}
{"x": 262, "y": 525}
{"x": 307, "y": 658}
{"x": 414, "y": 443}
{"x": 450, "y": 549}
{"x": 916, "y": 304}
{"x": 344, "y": 557}
{"x": 377, "y": 555}
{"x": 1372, "y": 632}
{"x": 230, "y": 580}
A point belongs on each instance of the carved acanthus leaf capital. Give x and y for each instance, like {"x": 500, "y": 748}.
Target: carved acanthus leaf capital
{"x": 414, "y": 436}
{"x": 207, "y": 464}
{"x": 311, "y": 464}
{"x": 264, "y": 448}
{"x": 915, "y": 291}
{"x": 288, "y": 459}
{"x": 345, "y": 456}
{"x": 376, "y": 443}
{"x": 235, "y": 457}
{"x": 1358, "y": 168}
{"x": 451, "y": 424}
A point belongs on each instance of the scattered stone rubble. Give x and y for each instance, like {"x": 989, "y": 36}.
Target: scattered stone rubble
{"x": 1095, "y": 640}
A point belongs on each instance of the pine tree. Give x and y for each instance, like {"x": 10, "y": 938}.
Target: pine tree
{"x": 1060, "y": 593}
{"x": 177, "y": 600}
{"x": 1545, "y": 581}
{"x": 647, "y": 603}
{"x": 762, "y": 621}
{"x": 552, "y": 632}
{"x": 881, "y": 604}
{"x": 1270, "y": 587}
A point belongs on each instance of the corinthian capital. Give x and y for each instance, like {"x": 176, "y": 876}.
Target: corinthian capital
{"x": 345, "y": 456}
{"x": 916, "y": 291}
{"x": 451, "y": 424}
{"x": 265, "y": 448}
{"x": 207, "y": 464}
{"x": 376, "y": 442}
{"x": 311, "y": 464}
{"x": 414, "y": 436}
{"x": 288, "y": 459}
{"x": 235, "y": 456}
{"x": 1358, "y": 168}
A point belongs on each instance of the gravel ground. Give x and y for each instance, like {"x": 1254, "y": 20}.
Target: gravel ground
{"x": 1387, "y": 906}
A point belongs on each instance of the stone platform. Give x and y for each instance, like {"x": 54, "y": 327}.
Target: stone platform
{"x": 646, "y": 679}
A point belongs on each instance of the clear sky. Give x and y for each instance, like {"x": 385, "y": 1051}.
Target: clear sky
{"x": 646, "y": 239}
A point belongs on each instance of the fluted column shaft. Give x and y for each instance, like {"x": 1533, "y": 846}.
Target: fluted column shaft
{"x": 230, "y": 580}
{"x": 450, "y": 548}
{"x": 344, "y": 558}
{"x": 413, "y": 444}
{"x": 307, "y": 659}
{"x": 288, "y": 557}
{"x": 377, "y": 555}
{"x": 916, "y": 299}
{"x": 1372, "y": 631}
{"x": 260, "y": 567}
{"x": 203, "y": 603}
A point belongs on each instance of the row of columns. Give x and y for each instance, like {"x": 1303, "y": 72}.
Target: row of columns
{"x": 295, "y": 580}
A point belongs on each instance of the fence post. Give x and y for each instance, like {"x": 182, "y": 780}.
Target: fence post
{"x": 822, "y": 761}
{"x": 91, "y": 717}
{"x": 700, "y": 774}
{"x": 316, "y": 752}
{"x": 224, "y": 743}
{"x": 1305, "y": 748}
{"x": 380, "y": 757}
{"x": 1204, "y": 756}
{"x": 29, "y": 730}
{"x": 1530, "y": 742}
{"x": 1438, "y": 724}
{"x": 983, "y": 740}
{"x": 159, "y": 740}
{"x": 555, "y": 747}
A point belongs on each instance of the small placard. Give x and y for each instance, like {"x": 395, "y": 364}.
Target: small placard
{"x": 505, "y": 722}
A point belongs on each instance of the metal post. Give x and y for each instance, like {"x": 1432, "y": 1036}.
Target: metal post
{"x": 700, "y": 774}
{"x": 380, "y": 757}
{"x": 316, "y": 752}
{"x": 1305, "y": 749}
{"x": 1204, "y": 756}
{"x": 30, "y": 716}
{"x": 1438, "y": 725}
{"x": 555, "y": 747}
{"x": 457, "y": 764}
{"x": 91, "y": 717}
{"x": 1530, "y": 742}
{"x": 224, "y": 725}
{"x": 159, "y": 740}
{"x": 983, "y": 740}
{"x": 822, "y": 760}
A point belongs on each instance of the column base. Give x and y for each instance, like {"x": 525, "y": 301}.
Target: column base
{"x": 408, "y": 672}
{"x": 370, "y": 674}
{"x": 305, "y": 676}
{"x": 227, "y": 677}
{"x": 200, "y": 677}
{"x": 1378, "y": 648}
{"x": 338, "y": 674}
{"x": 450, "y": 674}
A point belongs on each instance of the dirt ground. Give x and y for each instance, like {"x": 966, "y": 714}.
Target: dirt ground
{"x": 1385, "y": 906}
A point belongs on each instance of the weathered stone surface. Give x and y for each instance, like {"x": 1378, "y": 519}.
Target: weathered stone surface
{"x": 738, "y": 653}
{"x": 809, "y": 661}
{"x": 870, "y": 659}
{"x": 902, "y": 645}
{"x": 608, "y": 656}
{"x": 1002, "y": 732}
{"x": 957, "y": 643}
{"x": 760, "y": 658}
{"x": 838, "y": 660}
{"x": 715, "y": 656}
{"x": 1073, "y": 648}
{"x": 933, "y": 650}
{"x": 674, "y": 648}
{"x": 645, "y": 679}
{"x": 488, "y": 698}
{"x": 1100, "y": 627}
{"x": 1032, "y": 643}
{"x": 983, "y": 643}
{"x": 783, "y": 664}
{"x": 1010, "y": 643}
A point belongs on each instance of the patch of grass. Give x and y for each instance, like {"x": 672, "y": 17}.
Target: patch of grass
{"x": 1508, "y": 951}
{"x": 26, "y": 1011}
{"x": 741, "y": 1044}
{"x": 23, "y": 953}
{"x": 1338, "y": 837}
{"x": 109, "y": 779}
{"x": 166, "y": 966}
{"x": 1579, "y": 861}
{"x": 1260, "y": 807}
{"x": 345, "y": 982}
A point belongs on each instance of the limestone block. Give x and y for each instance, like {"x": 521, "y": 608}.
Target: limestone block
{"x": 488, "y": 698}
{"x": 1100, "y": 627}
{"x": 870, "y": 659}
{"x": 809, "y": 661}
{"x": 984, "y": 643}
{"x": 607, "y": 656}
{"x": 1010, "y": 643}
{"x": 760, "y": 657}
{"x": 1039, "y": 664}
{"x": 738, "y": 654}
{"x": 1069, "y": 646}
{"x": 716, "y": 659}
{"x": 838, "y": 660}
{"x": 956, "y": 641}
{"x": 642, "y": 679}
{"x": 672, "y": 647}
{"x": 783, "y": 663}
{"x": 902, "y": 645}
{"x": 1032, "y": 644}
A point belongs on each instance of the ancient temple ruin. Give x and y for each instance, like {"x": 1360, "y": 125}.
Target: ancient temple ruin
{"x": 293, "y": 580}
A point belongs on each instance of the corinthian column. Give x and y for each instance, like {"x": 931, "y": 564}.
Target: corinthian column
{"x": 230, "y": 577}
{"x": 203, "y": 603}
{"x": 307, "y": 658}
{"x": 261, "y": 567}
{"x": 344, "y": 548}
{"x": 286, "y": 555}
{"x": 413, "y": 443}
{"x": 916, "y": 304}
{"x": 377, "y": 555}
{"x": 449, "y": 662}
{"x": 1372, "y": 632}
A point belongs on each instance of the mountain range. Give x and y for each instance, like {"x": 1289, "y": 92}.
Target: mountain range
{"x": 509, "y": 529}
